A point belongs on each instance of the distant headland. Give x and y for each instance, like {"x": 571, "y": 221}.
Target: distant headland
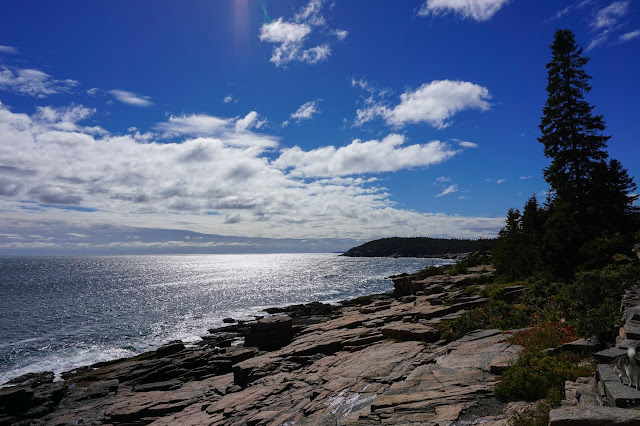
{"x": 442, "y": 248}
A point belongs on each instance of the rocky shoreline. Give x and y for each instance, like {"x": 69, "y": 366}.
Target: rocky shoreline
{"x": 373, "y": 360}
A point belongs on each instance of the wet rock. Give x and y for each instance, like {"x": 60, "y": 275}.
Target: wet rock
{"x": 32, "y": 379}
{"x": 270, "y": 333}
{"x": 16, "y": 400}
{"x": 228, "y": 320}
{"x": 170, "y": 348}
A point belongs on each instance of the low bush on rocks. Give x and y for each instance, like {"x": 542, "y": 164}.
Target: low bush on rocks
{"x": 537, "y": 373}
{"x": 538, "y": 415}
{"x": 496, "y": 314}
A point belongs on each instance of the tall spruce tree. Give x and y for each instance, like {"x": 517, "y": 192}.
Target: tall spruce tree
{"x": 571, "y": 134}
{"x": 590, "y": 196}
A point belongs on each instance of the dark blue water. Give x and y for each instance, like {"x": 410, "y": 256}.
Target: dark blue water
{"x": 58, "y": 313}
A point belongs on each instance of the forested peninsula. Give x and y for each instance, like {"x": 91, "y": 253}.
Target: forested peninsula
{"x": 419, "y": 247}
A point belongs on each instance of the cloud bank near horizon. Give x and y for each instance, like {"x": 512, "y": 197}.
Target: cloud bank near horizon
{"x": 220, "y": 177}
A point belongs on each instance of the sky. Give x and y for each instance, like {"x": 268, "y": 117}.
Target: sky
{"x": 243, "y": 126}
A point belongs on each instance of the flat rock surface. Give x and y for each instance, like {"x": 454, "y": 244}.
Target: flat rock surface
{"x": 342, "y": 365}
{"x": 618, "y": 394}
{"x": 593, "y": 416}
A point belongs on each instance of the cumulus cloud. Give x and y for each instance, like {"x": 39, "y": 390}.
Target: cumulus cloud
{"x": 386, "y": 155}
{"x": 8, "y": 50}
{"x": 433, "y": 103}
{"x": 131, "y": 98}
{"x": 234, "y": 130}
{"x": 479, "y": 10}
{"x": 231, "y": 183}
{"x": 306, "y": 111}
{"x": 67, "y": 118}
{"x": 292, "y": 37}
{"x": 250, "y": 121}
{"x": 33, "y": 82}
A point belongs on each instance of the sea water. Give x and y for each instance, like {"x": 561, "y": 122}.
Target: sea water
{"x": 59, "y": 313}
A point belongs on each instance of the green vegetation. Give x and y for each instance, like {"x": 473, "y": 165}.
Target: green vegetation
{"x": 498, "y": 313}
{"x": 539, "y": 375}
{"x": 572, "y": 251}
{"x": 416, "y": 247}
{"x": 589, "y": 215}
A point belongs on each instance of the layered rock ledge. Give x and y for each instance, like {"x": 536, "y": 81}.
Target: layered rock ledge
{"x": 372, "y": 360}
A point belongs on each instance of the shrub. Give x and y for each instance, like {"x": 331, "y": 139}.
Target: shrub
{"x": 592, "y": 299}
{"x": 536, "y": 374}
{"x": 496, "y": 314}
{"x": 539, "y": 414}
{"x": 549, "y": 334}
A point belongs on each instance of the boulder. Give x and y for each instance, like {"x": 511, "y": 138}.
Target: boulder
{"x": 170, "y": 348}
{"x": 268, "y": 334}
{"x": 406, "y": 331}
{"x": 33, "y": 379}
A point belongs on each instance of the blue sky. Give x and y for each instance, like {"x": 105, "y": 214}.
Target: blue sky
{"x": 267, "y": 125}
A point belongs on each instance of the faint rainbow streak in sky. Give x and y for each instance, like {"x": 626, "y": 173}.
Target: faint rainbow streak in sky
{"x": 241, "y": 22}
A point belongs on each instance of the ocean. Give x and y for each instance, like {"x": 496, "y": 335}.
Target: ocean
{"x": 59, "y": 313}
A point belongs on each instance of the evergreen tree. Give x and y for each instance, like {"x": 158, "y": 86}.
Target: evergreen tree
{"x": 590, "y": 196}
{"x": 571, "y": 134}
{"x": 507, "y": 254}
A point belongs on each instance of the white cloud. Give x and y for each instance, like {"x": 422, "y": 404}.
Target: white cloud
{"x": 283, "y": 32}
{"x": 568, "y": 9}
{"x": 67, "y": 118}
{"x": 358, "y": 157}
{"x": 291, "y": 37}
{"x": 250, "y": 121}
{"x": 441, "y": 180}
{"x": 630, "y": 36}
{"x": 131, "y": 98}
{"x": 194, "y": 125}
{"x": 606, "y": 21}
{"x": 434, "y": 103}
{"x": 448, "y": 190}
{"x": 341, "y": 34}
{"x": 33, "y": 82}
{"x": 526, "y": 177}
{"x": 501, "y": 181}
{"x": 234, "y": 130}
{"x": 306, "y": 111}
{"x": 92, "y": 91}
{"x": 8, "y": 50}
{"x": 467, "y": 144}
{"x": 480, "y": 10}
{"x": 228, "y": 99}
{"x": 232, "y": 183}
{"x": 315, "y": 54}
{"x": 609, "y": 16}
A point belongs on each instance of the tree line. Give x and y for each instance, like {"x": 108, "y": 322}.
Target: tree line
{"x": 588, "y": 218}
